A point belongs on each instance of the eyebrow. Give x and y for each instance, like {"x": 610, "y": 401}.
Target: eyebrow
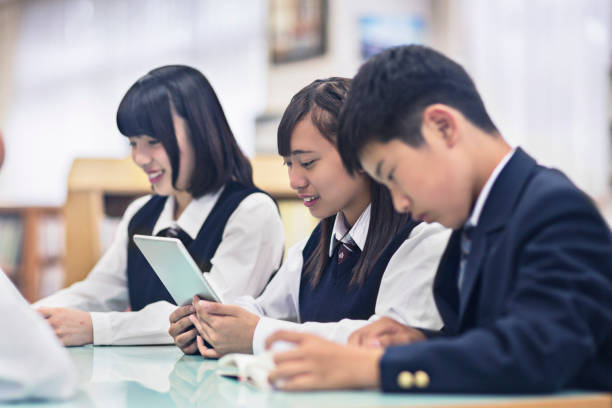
{"x": 295, "y": 152}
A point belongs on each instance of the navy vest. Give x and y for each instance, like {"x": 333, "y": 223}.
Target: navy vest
{"x": 332, "y": 299}
{"x": 143, "y": 284}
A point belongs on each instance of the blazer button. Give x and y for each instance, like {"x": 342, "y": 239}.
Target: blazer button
{"x": 405, "y": 379}
{"x": 421, "y": 379}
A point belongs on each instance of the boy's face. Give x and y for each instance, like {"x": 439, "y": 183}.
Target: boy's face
{"x": 432, "y": 181}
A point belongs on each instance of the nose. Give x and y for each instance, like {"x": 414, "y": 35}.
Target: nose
{"x": 400, "y": 201}
{"x": 297, "y": 179}
{"x": 141, "y": 155}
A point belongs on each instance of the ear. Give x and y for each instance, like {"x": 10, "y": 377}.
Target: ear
{"x": 442, "y": 121}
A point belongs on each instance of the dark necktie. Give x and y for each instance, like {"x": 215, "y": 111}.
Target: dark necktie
{"x": 466, "y": 246}
{"x": 346, "y": 249}
{"x": 176, "y": 232}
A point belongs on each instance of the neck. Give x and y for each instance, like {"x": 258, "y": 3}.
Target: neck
{"x": 487, "y": 153}
{"x": 182, "y": 200}
{"x": 357, "y": 206}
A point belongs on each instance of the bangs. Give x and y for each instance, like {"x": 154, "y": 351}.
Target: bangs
{"x": 145, "y": 110}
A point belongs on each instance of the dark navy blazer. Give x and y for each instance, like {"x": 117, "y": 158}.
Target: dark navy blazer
{"x": 535, "y": 312}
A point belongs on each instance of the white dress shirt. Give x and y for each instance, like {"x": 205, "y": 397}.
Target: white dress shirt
{"x": 242, "y": 265}
{"x": 33, "y": 363}
{"x": 405, "y": 292}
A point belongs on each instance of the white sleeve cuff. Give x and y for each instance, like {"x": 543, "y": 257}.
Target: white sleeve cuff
{"x": 102, "y": 328}
{"x": 267, "y": 326}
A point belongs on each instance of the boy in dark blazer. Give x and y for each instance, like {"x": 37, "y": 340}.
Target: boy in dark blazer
{"x": 525, "y": 284}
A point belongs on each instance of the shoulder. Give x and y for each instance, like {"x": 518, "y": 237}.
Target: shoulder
{"x": 257, "y": 208}
{"x": 433, "y": 234}
{"x": 550, "y": 193}
{"x": 136, "y": 206}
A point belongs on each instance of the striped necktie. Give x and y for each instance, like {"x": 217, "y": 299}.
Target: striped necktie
{"x": 466, "y": 246}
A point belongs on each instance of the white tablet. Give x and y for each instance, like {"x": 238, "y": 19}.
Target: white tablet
{"x": 175, "y": 268}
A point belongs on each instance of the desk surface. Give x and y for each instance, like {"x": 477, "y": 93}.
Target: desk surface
{"x": 161, "y": 376}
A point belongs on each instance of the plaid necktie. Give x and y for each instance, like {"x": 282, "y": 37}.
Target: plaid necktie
{"x": 346, "y": 249}
{"x": 466, "y": 245}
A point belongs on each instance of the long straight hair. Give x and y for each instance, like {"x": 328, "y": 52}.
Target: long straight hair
{"x": 147, "y": 107}
{"x": 322, "y": 100}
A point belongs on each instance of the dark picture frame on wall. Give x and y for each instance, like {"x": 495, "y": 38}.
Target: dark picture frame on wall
{"x": 297, "y": 29}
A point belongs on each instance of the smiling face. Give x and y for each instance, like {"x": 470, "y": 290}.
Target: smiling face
{"x": 317, "y": 174}
{"x": 430, "y": 181}
{"x": 149, "y": 154}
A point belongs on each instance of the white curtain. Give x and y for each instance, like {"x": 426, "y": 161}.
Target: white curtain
{"x": 76, "y": 58}
{"x": 543, "y": 69}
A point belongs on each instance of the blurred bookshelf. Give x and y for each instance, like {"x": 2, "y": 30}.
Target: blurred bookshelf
{"x": 99, "y": 190}
{"x": 32, "y": 249}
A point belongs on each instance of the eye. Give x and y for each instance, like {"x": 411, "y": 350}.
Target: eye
{"x": 132, "y": 143}
{"x": 287, "y": 163}
{"x": 391, "y": 175}
{"x": 153, "y": 142}
{"x": 307, "y": 164}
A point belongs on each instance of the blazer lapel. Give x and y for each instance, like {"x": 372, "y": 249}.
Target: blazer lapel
{"x": 498, "y": 207}
{"x": 445, "y": 284}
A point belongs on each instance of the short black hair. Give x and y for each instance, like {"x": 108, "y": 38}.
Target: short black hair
{"x": 323, "y": 100}
{"x": 391, "y": 91}
{"x": 146, "y": 109}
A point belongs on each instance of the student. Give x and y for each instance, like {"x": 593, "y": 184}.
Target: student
{"x": 361, "y": 262}
{"x": 203, "y": 193}
{"x": 525, "y": 284}
{"x": 26, "y": 341}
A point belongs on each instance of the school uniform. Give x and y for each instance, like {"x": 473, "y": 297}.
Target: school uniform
{"x": 532, "y": 311}
{"x": 400, "y": 286}
{"x": 223, "y": 234}
{"x": 33, "y": 363}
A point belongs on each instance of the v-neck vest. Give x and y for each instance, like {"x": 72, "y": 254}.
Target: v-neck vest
{"x": 333, "y": 299}
{"x": 143, "y": 284}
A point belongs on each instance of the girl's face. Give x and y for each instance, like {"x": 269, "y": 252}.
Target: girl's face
{"x": 149, "y": 154}
{"x": 317, "y": 174}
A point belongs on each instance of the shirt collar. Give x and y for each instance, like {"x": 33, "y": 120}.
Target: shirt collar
{"x": 192, "y": 218}
{"x": 358, "y": 232}
{"x": 484, "y": 193}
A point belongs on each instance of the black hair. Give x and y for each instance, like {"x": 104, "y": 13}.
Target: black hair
{"x": 322, "y": 101}
{"x": 390, "y": 93}
{"x": 147, "y": 107}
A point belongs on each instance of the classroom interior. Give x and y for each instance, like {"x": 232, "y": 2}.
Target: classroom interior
{"x": 543, "y": 68}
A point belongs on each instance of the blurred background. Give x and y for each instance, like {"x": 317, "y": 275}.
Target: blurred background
{"x": 542, "y": 66}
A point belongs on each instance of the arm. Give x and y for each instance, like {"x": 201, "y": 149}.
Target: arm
{"x": 250, "y": 249}
{"x": 104, "y": 295}
{"x": 229, "y": 328}
{"x": 554, "y": 320}
{"x": 405, "y": 292}
{"x": 105, "y": 288}
{"x": 32, "y": 362}
{"x": 242, "y": 264}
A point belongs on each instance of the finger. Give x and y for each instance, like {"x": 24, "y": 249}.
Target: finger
{"x": 285, "y": 335}
{"x": 202, "y": 328}
{"x": 184, "y": 339}
{"x": 214, "y": 308}
{"x": 285, "y": 371}
{"x": 45, "y": 312}
{"x": 303, "y": 382}
{"x": 181, "y": 326}
{"x": 205, "y": 351}
{"x": 181, "y": 312}
{"x": 190, "y": 349}
{"x": 356, "y": 338}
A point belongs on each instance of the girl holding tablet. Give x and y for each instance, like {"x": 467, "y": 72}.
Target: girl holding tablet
{"x": 362, "y": 261}
{"x": 203, "y": 194}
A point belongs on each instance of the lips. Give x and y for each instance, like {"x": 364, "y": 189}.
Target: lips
{"x": 155, "y": 176}
{"x": 309, "y": 200}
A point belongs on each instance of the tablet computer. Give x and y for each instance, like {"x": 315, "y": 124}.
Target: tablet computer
{"x": 175, "y": 268}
